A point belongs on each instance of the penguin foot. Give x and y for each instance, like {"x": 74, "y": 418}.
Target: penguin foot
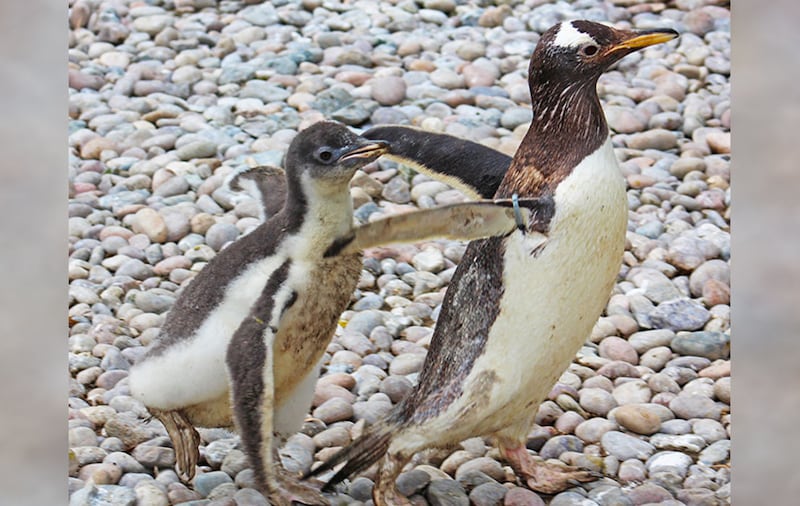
{"x": 288, "y": 489}
{"x": 185, "y": 440}
{"x": 546, "y": 477}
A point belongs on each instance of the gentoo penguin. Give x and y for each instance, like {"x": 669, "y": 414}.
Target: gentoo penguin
{"x": 519, "y": 307}
{"x": 250, "y": 329}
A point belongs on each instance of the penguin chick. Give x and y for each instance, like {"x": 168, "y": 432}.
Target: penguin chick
{"x": 519, "y": 307}
{"x": 251, "y": 327}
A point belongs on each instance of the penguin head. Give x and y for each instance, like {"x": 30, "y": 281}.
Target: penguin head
{"x": 328, "y": 152}
{"x": 581, "y": 50}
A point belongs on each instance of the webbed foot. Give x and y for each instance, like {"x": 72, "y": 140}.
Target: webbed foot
{"x": 546, "y": 477}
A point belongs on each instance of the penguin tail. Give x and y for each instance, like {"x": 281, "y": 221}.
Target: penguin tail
{"x": 358, "y": 455}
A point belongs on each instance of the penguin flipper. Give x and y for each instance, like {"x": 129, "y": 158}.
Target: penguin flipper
{"x": 465, "y": 221}
{"x": 473, "y": 168}
{"x": 265, "y": 183}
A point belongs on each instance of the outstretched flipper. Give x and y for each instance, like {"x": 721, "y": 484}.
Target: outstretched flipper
{"x": 463, "y": 221}
{"x": 473, "y": 168}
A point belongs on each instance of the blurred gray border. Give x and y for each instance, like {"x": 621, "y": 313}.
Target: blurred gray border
{"x": 33, "y": 241}
{"x": 766, "y": 252}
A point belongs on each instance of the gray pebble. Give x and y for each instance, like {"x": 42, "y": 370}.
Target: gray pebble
{"x": 680, "y": 314}
{"x": 710, "y": 345}
{"x": 624, "y": 446}
{"x": 206, "y": 482}
{"x": 446, "y": 493}
{"x": 488, "y": 494}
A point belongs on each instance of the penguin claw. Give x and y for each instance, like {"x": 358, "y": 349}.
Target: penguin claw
{"x": 185, "y": 440}
{"x": 551, "y": 479}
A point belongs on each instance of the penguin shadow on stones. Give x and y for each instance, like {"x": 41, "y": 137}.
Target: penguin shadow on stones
{"x": 241, "y": 347}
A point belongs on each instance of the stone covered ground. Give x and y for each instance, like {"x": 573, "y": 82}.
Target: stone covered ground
{"x": 167, "y": 97}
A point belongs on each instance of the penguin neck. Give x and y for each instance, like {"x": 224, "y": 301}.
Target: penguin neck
{"x": 325, "y": 207}
{"x": 568, "y": 125}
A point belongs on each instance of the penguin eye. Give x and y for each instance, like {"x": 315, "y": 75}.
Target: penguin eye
{"x": 325, "y": 155}
{"x": 589, "y": 50}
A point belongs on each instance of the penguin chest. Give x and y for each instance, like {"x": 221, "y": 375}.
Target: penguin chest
{"x": 554, "y": 292}
{"x": 323, "y": 291}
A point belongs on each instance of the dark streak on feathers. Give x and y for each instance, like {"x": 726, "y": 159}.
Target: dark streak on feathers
{"x": 246, "y": 358}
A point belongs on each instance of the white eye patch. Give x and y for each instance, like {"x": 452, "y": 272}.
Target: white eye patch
{"x": 569, "y": 36}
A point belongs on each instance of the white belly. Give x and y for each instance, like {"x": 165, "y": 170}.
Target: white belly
{"x": 552, "y": 300}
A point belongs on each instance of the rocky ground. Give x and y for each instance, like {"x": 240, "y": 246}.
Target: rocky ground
{"x": 167, "y": 97}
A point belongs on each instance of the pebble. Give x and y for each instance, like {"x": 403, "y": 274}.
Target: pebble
{"x": 680, "y": 314}
{"x": 519, "y": 496}
{"x": 624, "y": 446}
{"x": 206, "y": 482}
{"x": 165, "y": 104}
{"x": 711, "y": 345}
{"x": 488, "y": 494}
{"x": 637, "y": 418}
{"x": 597, "y": 401}
{"x": 446, "y": 493}
{"x": 690, "y": 406}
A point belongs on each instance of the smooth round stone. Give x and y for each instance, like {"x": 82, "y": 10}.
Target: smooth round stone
{"x": 632, "y": 470}
{"x": 429, "y": 260}
{"x": 361, "y": 488}
{"x": 407, "y": 363}
{"x": 220, "y": 234}
{"x": 716, "y": 453}
{"x": 647, "y": 339}
{"x": 624, "y": 120}
{"x": 632, "y": 392}
{"x": 596, "y": 401}
{"x": 568, "y": 422}
{"x": 571, "y": 499}
{"x": 624, "y": 446}
{"x": 516, "y": 116}
{"x": 593, "y": 429}
{"x": 334, "y": 410}
{"x": 722, "y": 389}
{"x": 672, "y": 462}
{"x": 616, "y": 348}
{"x": 638, "y": 418}
{"x": 446, "y": 493}
{"x": 249, "y": 497}
{"x": 656, "y": 358}
{"x": 154, "y": 456}
{"x": 680, "y": 314}
{"x": 488, "y": 494}
{"x": 396, "y": 387}
{"x": 694, "y": 406}
{"x": 649, "y": 493}
{"x": 519, "y": 496}
{"x": 557, "y": 445}
{"x": 149, "y": 222}
{"x": 710, "y": 345}
{"x": 388, "y": 90}
{"x": 206, "y": 482}
{"x": 659, "y": 139}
